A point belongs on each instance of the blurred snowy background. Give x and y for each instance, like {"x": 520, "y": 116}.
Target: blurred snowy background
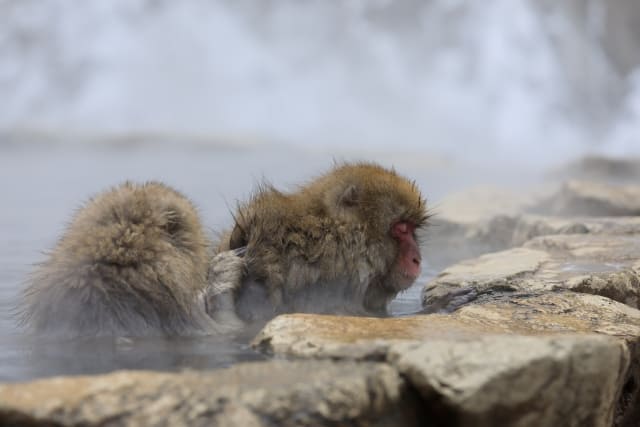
{"x": 533, "y": 79}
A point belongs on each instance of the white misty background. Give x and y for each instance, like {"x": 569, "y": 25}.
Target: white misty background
{"x": 464, "y": 78}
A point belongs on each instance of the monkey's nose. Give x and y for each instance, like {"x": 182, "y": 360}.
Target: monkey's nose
{"x": 416, "y": 261}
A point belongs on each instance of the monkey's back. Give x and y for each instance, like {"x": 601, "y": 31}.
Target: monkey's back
{"x": 131, "y": 262}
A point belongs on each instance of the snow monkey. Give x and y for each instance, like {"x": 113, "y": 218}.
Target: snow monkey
{"x": 344, "y": 243}
{"x": 134, "y": 261}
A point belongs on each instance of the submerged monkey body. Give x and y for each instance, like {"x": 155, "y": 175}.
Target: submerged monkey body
{"x": 334, "y": 234}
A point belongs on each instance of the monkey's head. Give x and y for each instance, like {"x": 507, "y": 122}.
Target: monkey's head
{"x": 390, "y": 209}
{"x": 149, "y": 233}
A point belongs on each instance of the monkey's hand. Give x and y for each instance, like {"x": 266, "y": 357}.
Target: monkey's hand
{"x": 225, "y": 278}
{"x": 226, "y": 270}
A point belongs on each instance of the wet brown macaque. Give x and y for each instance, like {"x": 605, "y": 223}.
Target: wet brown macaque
{"x": 344, "y": 243}
{"x": 134, "y": 261}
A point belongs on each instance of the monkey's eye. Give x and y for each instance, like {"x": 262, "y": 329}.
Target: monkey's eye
{"x": 402, "y": 228}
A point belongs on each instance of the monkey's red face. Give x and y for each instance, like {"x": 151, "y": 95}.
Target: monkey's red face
{"x": 408, "y": 261}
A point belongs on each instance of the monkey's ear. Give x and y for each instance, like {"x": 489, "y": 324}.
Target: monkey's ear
{"x": 349, "y": 197}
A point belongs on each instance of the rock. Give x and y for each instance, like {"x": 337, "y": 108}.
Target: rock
{"x": 510, "y": 361}
{"x": 449, "y": 242}
{"x": 472, "y": 222}
{"x": 483, "y": 203}
{"x": 308, "y": 335}
{"x": 596, "y": 264}
{"x": 300, "y": 393}
{"x": 537, "y": 274}
{"x": 495, "y": 269}
{"x": 601, "y": 168}
{"x": 518, "y": 381}
{"x": 529, "y": 226}
{"x": 484, "y": 220}
{"x": 590, "y": 198}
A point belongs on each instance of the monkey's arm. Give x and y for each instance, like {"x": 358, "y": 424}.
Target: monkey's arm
{"x": 224, "y": 281}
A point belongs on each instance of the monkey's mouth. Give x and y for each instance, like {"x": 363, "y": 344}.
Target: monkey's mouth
{"x": 408, "y": 264}
{"x": 408, "y": 271}
{"x": 405, "y": 279}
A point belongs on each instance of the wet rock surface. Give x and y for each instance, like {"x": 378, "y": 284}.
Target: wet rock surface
{"x": 517, "y": 362}
{"x": 594, "y": 264}
{"x": 307, "y": 335}
{"x": 593, "y": 198}
{"x": 549, "y": 381}
{"x": 451, "y": 242}
{"x": 512, "y": 358}
{"x": 302, "y": 393}
{"x": 485, "y": 220}
{"x": 583, "y": 238}
{"x": 602, "y": 169}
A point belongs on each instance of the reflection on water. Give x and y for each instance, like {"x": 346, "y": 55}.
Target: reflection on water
{"x": 25, "y": 358}
{"x": 410, "y": 301}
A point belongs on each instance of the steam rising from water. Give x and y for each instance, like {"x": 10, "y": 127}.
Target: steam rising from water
{"x": 460, "y": 77}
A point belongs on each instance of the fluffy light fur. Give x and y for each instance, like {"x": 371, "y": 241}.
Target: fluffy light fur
{"x": 133, "y": 261}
